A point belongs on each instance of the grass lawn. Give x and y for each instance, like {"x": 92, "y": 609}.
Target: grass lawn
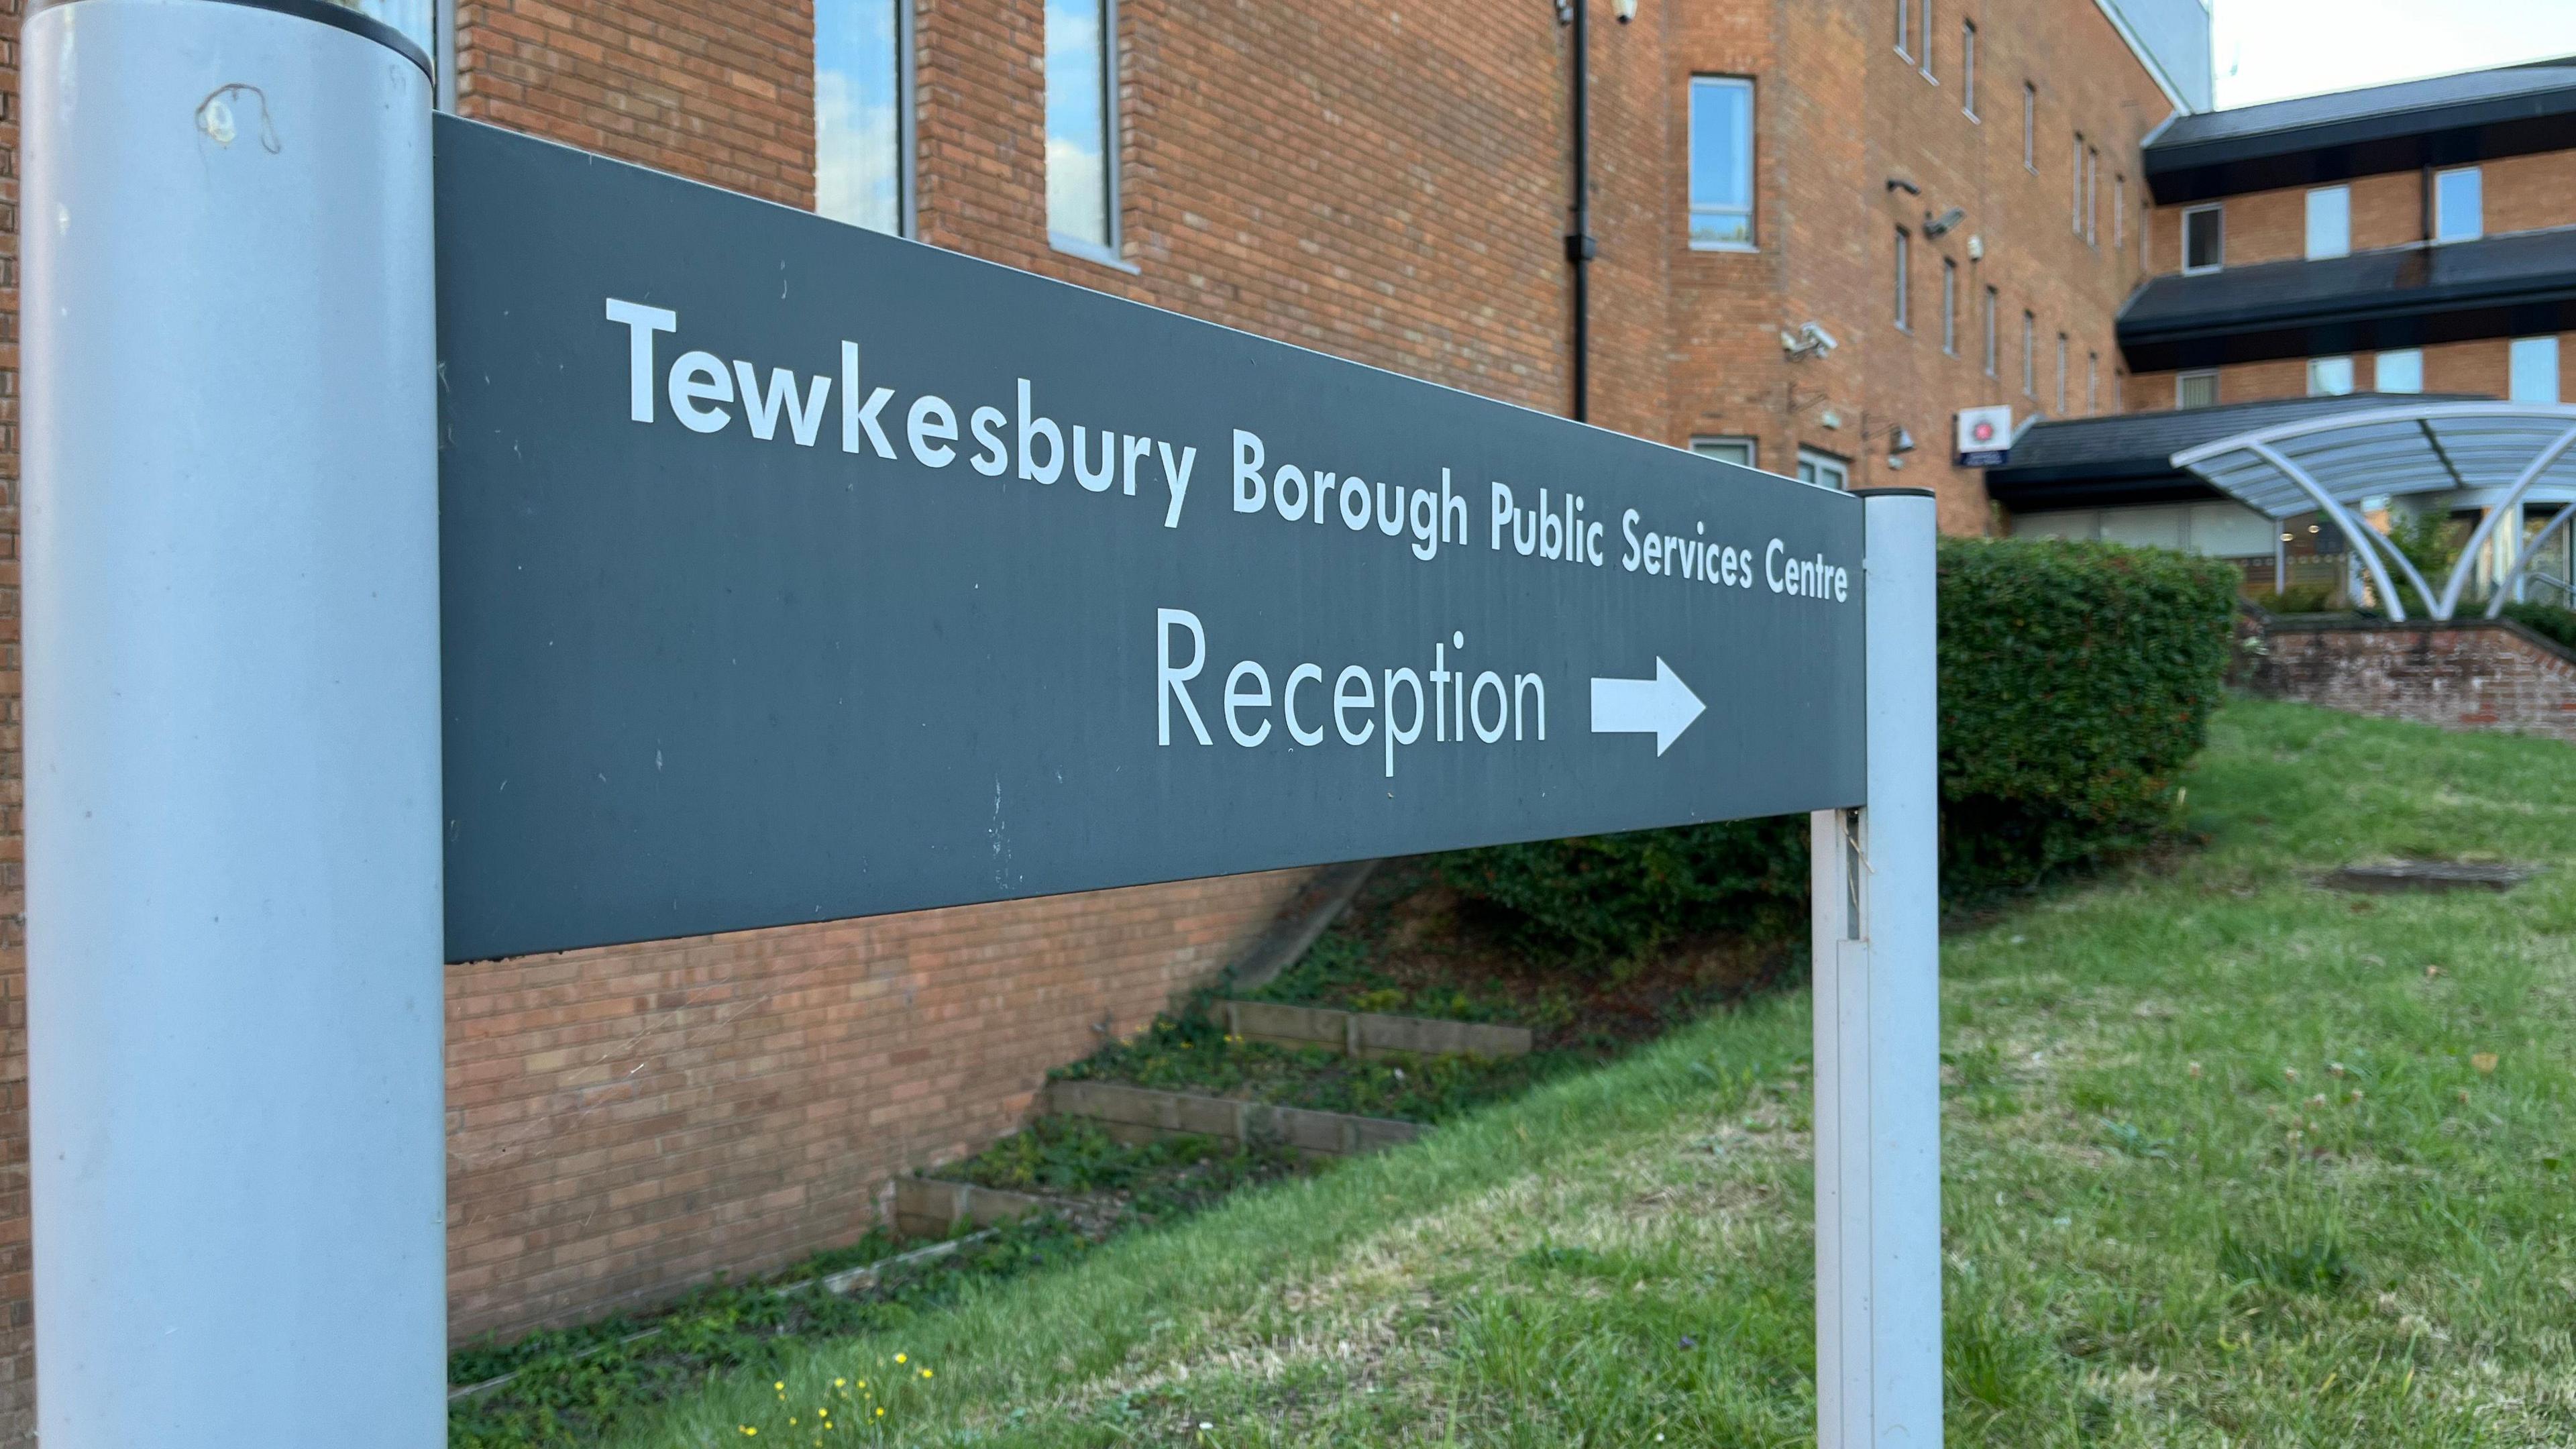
{"x": 2230, "y": 1159}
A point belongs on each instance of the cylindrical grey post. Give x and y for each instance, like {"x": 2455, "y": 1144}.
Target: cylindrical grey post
{"x": 1878, "y": 1024}
{"x": 234, "y": 963}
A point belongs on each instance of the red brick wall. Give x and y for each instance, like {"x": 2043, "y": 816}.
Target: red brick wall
{"x": 1840, "y": 112}
{"x": 2481, "y": 368}
{"x": 2469, "y": 676}
{"x": 628, "y": 1120}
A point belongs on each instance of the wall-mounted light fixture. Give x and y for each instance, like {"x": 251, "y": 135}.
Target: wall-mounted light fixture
{"x": 1899, "y": 183}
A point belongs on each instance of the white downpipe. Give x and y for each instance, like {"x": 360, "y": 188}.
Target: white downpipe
{"x": 2496, "y": 512}
{"x": 1877, "y": 1111}
{"x": 238, "y": 1175}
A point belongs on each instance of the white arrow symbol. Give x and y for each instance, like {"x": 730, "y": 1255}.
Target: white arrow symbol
{"x": 1662, "y": 706}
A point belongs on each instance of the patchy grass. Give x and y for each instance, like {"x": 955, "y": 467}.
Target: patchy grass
{"x": 2229, "y": 1160}
{"x": 1195, "y": 1055}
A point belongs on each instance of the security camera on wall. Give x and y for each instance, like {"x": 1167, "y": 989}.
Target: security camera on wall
{"x": 1810, "y": 340}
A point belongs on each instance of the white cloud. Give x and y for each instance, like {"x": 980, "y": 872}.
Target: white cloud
{"x": 2269, "y": 50}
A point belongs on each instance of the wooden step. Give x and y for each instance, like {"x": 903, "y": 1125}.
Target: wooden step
{"x": 1370, "y": 1034}
{"x": 1140, "y": 1114}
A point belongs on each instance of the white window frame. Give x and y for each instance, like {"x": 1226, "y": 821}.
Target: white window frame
{"x": 1707, "y": 444}
{"x": 2119, "y": 210}
{"x": 1823, "y": 466}
{"x": 2351, "y": 375}
{"x": 1927, "y": 43}
{"x": 2379, "y": 368}
{"x": 2217, "y": 210}
{"x": 2075, "y": 184}
{"x": 2030, "y": 127}
{"x": 1752, "y": 178}
{"x": 1904, "y": 28}
{"x": 2030, "y": 354}
{"x": 1993, "y": 343}
{"x": 2183, "y": 379}
{"x": 2061, "y": 374}
{"x": 1968, "y": 70}
{"x": 2308, "y": 237}
{"x": 907, "y": 210}
{"x": 2442, "y": 235}
{"x": 1114, "y": 253}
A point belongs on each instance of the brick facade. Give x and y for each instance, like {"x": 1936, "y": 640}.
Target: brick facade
{"x": 1388, "y": 184}
{"x": 2471, "y": 675}
{"x": 2480, "y": 368}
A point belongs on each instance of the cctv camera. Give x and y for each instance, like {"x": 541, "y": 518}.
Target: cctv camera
{"x": 1937, "y": 225}
{"x": 1814, "y": 338}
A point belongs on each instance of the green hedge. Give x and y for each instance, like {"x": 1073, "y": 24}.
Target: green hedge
{"x": 2549, "y": 621}
{"x": 2077, "y": 681}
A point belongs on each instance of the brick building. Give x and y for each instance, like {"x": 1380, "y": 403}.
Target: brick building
{"x": 1823, "y": 226}
{"x": 2365, "y": 249}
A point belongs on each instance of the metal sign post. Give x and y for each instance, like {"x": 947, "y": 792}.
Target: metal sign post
{"x": 681, "y": 563}
{"x": 237, "y": 1146}
{"x": 1877, "y": 1108}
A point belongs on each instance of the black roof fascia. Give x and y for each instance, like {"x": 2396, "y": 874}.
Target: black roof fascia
{"x": 2441, "y": 135}
{"x": 2204, "y": 321}
{"x": 2032, "y": 490}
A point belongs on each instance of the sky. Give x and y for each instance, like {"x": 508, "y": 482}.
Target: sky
{"x": 2269, "y": 50}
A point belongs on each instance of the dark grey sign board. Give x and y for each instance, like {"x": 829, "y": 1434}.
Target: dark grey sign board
{"x": 792, "y": 572}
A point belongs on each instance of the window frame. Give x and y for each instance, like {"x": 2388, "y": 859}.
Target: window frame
{"x": 2030, "y": 354}
{"x": 1949, "y": 307}
{"x": 2183, "y": 223}
{"x": 1113, "y": 253}
{"x": 2441, "y": 235}
{"x": 2379, "y": 361}
{"x": 2092, "y": 195}
{"x": 1927, "y": 43}
{"x": 2119, "y": 210}
{"x": 1904, "y": 282}
{"x": 1968, "y": 71}
{"x": 1904, "y": 28}
{"x": 2075, "y": 184}
{"x": 1700, "y": 444}
{"x": 2308, "y": 223}
{"x": 1822, "y": 463}
{"x": 907, "y": 105}
{"x": 2030, "y": 127}
{"x": 2351, "y": 375}
{"x": 2062, "y": 367}
{"x": 2092, "y": 383}
{"x": 2198, "y": 374}
{"x": 1691, "y": 207}
{"x": 1994, "y": 344}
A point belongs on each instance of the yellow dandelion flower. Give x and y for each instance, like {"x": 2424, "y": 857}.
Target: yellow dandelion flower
{"x": 925, "y": 1373}
{"x": 840, "y": 1383}
{"x": 901, "y": 1358}
{"x": 880, "y": 1413}
{"x": 749, "y": 1430}
{"x": 782, "y": 1383}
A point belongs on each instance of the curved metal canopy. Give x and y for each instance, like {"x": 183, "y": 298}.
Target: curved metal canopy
{"x": 2500, "y": 453}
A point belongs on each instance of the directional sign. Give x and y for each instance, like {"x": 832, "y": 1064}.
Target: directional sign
{"x": 791, "y": 572}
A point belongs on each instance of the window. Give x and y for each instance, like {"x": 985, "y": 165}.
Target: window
{"x": 2204, "y": 239}
{"x": 2329, "y": 222}
{"x": 1726, "y": 449}
{"x": 2398, "y": 372}
{"x": 2459, "y": 205}
{"x": 1721, "y": 163}
{"x": 2196, "y": 389}
{"x": 1927, "y": 37}
{"x": 2329, "y": 376}
{"x": 1949, "y": 306}
{"x": 2092, "y": 205}
{"x": 2030, "y": 126}
{"x": 1968, "y": 68}
{"x": 1905, "y": 28}
{"x": 1990, "y": 331}
{"x": 1904, "y": 245}
{"x": 2092, "y": 382}
{"x": 861, "y": 124}
{"x": 2534, "y": 370}
{"x": 2061, "y": 374}
{"x": 2119, "y": 210}
{"x": 1082, "y": 150}
{"x": 2029, "y": 354}
{"x": 2075, "y": 191}
{"x": 1823, "y": 469}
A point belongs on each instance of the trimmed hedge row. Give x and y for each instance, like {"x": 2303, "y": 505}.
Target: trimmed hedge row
{"x": 2077, "y": 680}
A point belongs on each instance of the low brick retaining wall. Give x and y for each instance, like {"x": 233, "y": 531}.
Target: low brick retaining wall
{"x": 926, "y": 1207}
{"x": 1371, "y": 1034}
{"x": 2464, "y": 674}
{"x": 1137, "y": 1114}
